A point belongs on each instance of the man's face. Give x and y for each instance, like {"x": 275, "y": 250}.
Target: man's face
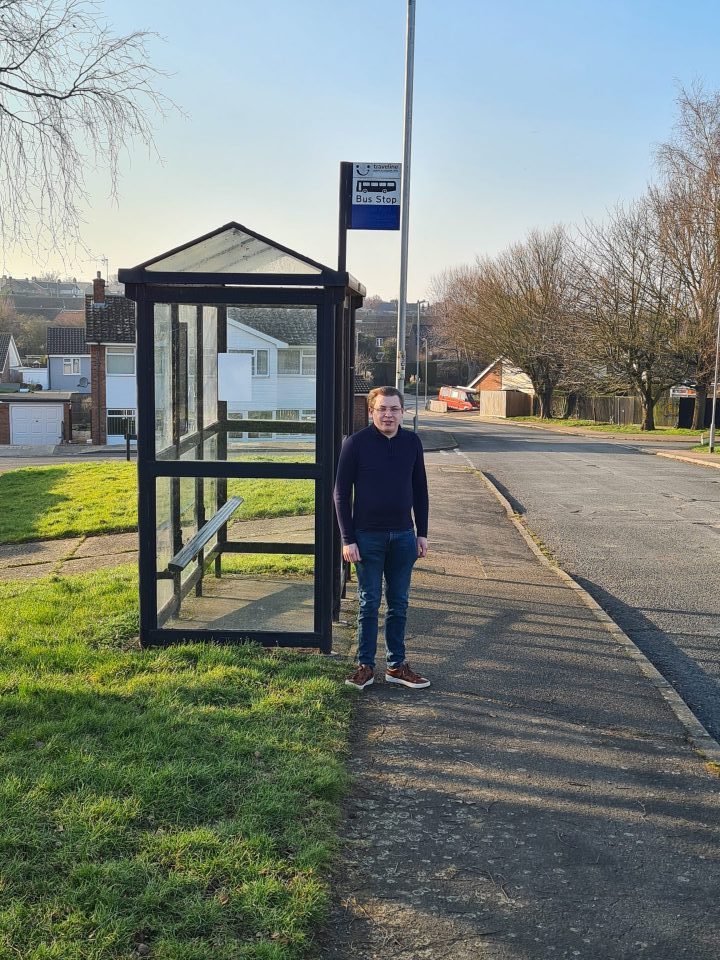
{"x": 387, "y": 414}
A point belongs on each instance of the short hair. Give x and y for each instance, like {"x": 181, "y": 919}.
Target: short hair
{"x": 384, "y": 392}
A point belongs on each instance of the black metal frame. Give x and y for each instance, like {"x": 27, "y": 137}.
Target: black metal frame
{"x": 335, "y": 295}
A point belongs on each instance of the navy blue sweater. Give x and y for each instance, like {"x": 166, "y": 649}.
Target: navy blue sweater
{"x": 387, "y": 476}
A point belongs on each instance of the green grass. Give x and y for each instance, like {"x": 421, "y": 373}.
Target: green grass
{"x": 630, "y": 428}
{"x": 705, "y": 449}
{"x": 94, "y": 498}
{"x": 280, "y": 564}
{"x": 185, "y": 798}
{"x": 67, "y": 500}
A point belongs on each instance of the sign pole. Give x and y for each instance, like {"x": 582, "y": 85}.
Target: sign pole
{"x": 344, "y": 213}
{"x": 405, "y": 198}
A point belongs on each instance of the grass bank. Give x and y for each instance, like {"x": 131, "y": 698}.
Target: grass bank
{"x": 177, "y": 804}
{"x": 631, "y": 429}
{"x": 94, "y": 498}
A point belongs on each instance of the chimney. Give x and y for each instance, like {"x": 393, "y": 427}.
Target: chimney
{"x": 98, "y": 289}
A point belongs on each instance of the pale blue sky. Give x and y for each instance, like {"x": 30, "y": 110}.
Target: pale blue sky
{"x": 527, "y": 113}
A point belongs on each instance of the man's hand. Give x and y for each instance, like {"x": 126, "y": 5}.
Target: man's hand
{"x": 351, "y": 553}
{"x": 422, "y": 547}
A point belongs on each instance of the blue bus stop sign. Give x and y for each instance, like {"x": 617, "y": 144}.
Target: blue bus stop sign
{"x": 375, "y": 198}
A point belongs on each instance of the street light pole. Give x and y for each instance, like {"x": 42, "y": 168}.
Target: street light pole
{"x": 405, "y": 197}
{"x": 417, "y": 364}
{"x": 426, "y": 359}
{"x": 715, "y": 387}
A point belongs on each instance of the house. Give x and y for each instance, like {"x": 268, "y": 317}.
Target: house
{"x": 110, "y": 338}
{"x": 378, "y": 323}
{"x": 502, "y": 375}
{"x": 68, "y": 359}
{"x": 503, "y": 390}
{"x": 42, "y": 298}
{"x": 32, "y": 419}
{"x": 29, "y": 418}
{"x": 281, "y": 344}
{"x": 361, "y": 414}
{"x": 9, "y": 360}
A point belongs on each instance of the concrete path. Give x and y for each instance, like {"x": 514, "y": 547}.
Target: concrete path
{"x": 540, "y": 799}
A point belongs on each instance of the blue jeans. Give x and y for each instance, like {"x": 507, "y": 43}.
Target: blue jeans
{"x": 391, "y": 554}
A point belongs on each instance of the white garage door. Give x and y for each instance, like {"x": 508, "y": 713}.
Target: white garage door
{"x": 36, "y": 423}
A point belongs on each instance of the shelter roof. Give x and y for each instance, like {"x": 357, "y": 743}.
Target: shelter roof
{"x": 235, "y": 254}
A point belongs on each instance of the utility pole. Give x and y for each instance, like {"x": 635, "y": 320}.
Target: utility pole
{"x": 405, "y": 199}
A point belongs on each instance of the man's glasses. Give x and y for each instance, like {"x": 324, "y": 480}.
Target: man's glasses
{"x": 393, "y": 410}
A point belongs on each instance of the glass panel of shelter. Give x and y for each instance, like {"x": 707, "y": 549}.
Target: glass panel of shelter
{"x": 235, "y": 384}
{"x": 248, "y": 373}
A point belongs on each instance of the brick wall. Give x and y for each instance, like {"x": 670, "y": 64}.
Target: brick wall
{"x": 360, "y": 412}
{"x": 492, "y": 379}
{"x": 98, "y": 419}
{"x": 4, "y": 423}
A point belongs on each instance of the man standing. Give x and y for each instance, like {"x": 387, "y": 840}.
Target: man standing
{"x": 383, "y": 467}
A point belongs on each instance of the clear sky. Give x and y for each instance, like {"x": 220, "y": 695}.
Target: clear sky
{"x": 526, "y": 113}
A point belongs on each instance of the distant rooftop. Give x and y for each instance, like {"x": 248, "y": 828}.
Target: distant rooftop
{"x": 112, "y": 321}
{"x": 66, "y": 341}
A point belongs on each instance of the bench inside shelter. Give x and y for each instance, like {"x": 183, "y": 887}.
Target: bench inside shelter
{"x": 194, "y": 549}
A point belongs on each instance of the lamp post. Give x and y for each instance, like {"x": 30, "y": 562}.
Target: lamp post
{"x": 417, "y": 363}
{"x": 426, "y": 360}
{"x": 405, "y": 196}
{"x": 711, "y": 444}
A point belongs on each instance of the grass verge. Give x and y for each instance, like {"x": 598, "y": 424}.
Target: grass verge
{"x": 178, "y": 804}
{"x": 79, "y": 499}
{"x": 704, "y": 448}
{"x": 632, "y": 429}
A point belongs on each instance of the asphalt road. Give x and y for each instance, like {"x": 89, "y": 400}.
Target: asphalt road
{"x": 641, "y": 533}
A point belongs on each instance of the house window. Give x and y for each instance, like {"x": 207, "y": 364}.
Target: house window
{"x": 288, "y": 414}
{"x": 71, "y": 366}
{"x": 120, "y": 422}
{"x": 307, "y": 416}
{"x": 259, "y": 415}
{"x": 260, "y": 361}
{"x": 121, "y": 363}
{"x": 296, "y": 361}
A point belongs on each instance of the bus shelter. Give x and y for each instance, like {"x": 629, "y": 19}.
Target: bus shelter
{"x": 245, "y": 353}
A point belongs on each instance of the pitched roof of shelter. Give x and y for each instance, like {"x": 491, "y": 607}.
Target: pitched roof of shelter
{"x": 112, "y": 321}
{"x": 235, "y": 254}
{"x": 68, "y": 341}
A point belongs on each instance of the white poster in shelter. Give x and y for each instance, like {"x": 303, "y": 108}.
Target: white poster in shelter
{"x": 235, "y": 377}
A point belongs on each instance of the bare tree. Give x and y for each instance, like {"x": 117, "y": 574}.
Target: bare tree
{"x": 72, "y": 96}
{"x": 688, "y": 208}
{"x": 519, "y": 305}
{"x": 634, "y": 315}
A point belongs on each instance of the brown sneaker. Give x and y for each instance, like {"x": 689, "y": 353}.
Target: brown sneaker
{"x": 363, "y": 677}
{"x": 404, "y": 675}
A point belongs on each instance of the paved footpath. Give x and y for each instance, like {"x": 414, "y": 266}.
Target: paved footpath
{"x": 540, "y": 800}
